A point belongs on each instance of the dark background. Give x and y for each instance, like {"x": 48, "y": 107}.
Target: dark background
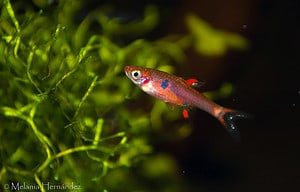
{"x": 267, "y": 86}
{"x": 267, "y": 80}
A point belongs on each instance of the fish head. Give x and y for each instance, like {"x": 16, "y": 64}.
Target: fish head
{"x": 138, "y": 75}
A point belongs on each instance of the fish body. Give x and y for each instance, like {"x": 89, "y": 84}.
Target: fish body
{"x": 177, "y": 91}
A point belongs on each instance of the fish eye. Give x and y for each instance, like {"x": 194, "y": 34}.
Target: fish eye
{"x": 136, "y": 74}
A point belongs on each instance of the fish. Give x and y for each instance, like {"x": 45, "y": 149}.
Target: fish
{"x": 175, "y": 90}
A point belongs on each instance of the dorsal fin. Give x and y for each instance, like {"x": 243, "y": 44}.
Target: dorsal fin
{"x": 195, "y": 83}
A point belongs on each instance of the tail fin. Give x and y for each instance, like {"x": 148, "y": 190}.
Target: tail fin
{"x": 227, "y": 118}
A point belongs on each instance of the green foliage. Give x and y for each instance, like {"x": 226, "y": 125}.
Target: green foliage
{"x": 65, "y": 111}
{"x": 211, "y": 41}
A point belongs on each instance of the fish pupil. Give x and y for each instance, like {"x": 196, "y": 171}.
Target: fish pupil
{"x": 135, "y": 74}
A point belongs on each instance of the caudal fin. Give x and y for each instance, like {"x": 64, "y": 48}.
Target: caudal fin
{"x": 227, "y": 117}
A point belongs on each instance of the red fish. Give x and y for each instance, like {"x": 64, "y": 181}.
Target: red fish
{"x": 177, "y": 91}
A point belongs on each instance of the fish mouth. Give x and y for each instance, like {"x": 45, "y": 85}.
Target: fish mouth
{"x": 126, "y": 70}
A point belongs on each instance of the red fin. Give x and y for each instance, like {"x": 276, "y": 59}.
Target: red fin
{"x": 194, "y": 83}
{"x": 185, "y": 113}
{"x": 191, "y": 81}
